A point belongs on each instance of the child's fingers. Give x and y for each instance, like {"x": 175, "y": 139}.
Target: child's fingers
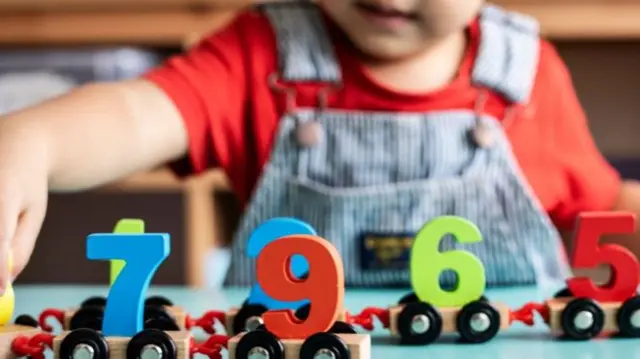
{"x": 25, "y": 238}
{"x": 9, "y": 214}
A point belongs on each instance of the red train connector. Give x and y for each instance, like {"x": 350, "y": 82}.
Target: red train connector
{"x": 212, "y": 347}
{"x": 33, "y": 347}
{"x": 365, "y": 319}
{"x": 206, "y": 322}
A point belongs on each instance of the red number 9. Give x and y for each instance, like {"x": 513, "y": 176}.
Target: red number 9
{"x": 324, "y": 286}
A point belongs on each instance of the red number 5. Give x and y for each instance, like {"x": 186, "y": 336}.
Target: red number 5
{"x": 588, "y": 254}
{"x": 324, "y": 286}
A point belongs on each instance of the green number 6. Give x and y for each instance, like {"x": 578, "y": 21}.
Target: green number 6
{"x": 427, "y": 263}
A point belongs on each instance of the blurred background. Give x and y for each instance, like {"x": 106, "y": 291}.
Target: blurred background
{"x": 47, "y": 47}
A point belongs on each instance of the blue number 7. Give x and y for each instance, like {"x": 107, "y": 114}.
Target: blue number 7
{"x": 142, "y": 254}
{"x": 268, "y": 232}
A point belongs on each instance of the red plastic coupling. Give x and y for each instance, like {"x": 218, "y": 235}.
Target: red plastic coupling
{"x": 33, "y": 347}
{"x": 57, "y": 314}
{"x": 365, "y": 318}
{"x": 211, "y": 348}
{"x": 207, "y": 321}
{"x": 526, "y": 314}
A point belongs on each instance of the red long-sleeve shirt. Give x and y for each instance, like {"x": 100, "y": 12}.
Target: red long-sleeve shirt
{"x": 231, "y": 114}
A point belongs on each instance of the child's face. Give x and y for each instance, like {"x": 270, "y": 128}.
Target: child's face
{"x": 393, "y": 29}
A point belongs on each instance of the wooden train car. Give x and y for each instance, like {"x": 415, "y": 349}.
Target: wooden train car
{"x": 87, "y": 343}
{"x": 419, "y": 323}
{"x": 582, "y": 318}
{"x": 317, "y": 330}
{"x": 264, "y": 344}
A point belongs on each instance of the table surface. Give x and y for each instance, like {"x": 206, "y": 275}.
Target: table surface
{"x": 518, "y": 342}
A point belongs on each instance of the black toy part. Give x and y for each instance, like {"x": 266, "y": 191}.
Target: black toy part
{"x": 329, "y": 344}
{"x": 85, "y": 341}
{"x": 478, "y": 322}
{"x": 582, "y": 319}
{"x": 419, "y": 324}
{"x": 159, "y": 342}
{"x": 87, "y": 317}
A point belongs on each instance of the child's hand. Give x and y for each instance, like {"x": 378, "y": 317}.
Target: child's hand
{"x": 23, "y": 199}
{"x": 92, "y": 136}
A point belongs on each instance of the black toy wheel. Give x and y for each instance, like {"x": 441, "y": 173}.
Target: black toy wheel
{"x": 329, "y": 344}
{"x": 84, "y": 343}
{"x": 96, "y": 301}
{"x": 154, "y": 342}
{"x": 259, "y": 343}
{"x": 409, "y": 298}
{"x": 248, "y": 318}
{"x": 160, "y": 319}
{"x": 413, "y": 298}
{"x": 419, "y": 324}
{"x": 26, "y": 320}
{"x": 478, "y": 322}
{"x": 342, "y": 328}
{"x": 628, "y": 318}
{"x": 87, "y": 317}
{"x": 303, "y": 311}
{"x": 158, "y": 301}
{"x": 563, "y": 293}
{"x": 582, "y": 319}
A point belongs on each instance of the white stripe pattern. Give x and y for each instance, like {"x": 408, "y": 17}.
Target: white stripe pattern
{"x": 392, "y": 173}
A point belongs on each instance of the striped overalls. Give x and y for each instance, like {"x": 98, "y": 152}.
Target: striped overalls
{"x": 387, "y": 174}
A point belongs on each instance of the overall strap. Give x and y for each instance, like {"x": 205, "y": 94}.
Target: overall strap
{"x": 305, "y": 50}
{"x": 508, "y": 56}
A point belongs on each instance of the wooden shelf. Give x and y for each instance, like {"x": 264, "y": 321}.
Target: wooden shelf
{"x": 158, "y": 28}
{"x": 584, "y": 21}
{"x": 101, "y": 5}
{"x": 170, "y": 22}
{"x": 165, "y": 181}
{"x": 199, "y": 213}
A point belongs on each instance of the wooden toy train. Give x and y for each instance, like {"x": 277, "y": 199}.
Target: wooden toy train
{"x": 122, "y": 325}
{"x": 318, "y": 325}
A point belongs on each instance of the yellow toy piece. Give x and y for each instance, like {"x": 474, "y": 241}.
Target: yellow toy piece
{"x": 8, "y": 300}
{"x": 124, "y": 226}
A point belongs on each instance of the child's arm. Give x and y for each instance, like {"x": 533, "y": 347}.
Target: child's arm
{"x": 629, "y": 200}
{"x": 94, "y": 135}
{"x": 586, "y": 181}
{"x": 192, "y": 105}
{"x": 91, "y": 136}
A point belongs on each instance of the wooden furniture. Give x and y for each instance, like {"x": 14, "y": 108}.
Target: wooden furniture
{"x": 199, "y": 213}
{"x": 172, "y": 23}
{"x": 167, "y": 22}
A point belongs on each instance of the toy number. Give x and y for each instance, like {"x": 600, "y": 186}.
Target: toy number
{"x": 268, "y": 232}
{"x": 324, "y": 286}
{"x": 427, "y": 263}
{"x": 8, "y": 299}
{"x": 588, "y": 254}
{"x": 128, "y": 226}
{"x": 142, "y": 254}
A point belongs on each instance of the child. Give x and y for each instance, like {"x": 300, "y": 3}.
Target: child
{"x": 363, "y": 118}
